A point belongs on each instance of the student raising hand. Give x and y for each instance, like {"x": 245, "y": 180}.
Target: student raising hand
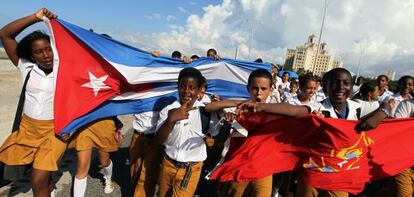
{"x": 181, "y": 113}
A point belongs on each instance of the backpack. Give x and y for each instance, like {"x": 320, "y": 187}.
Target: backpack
{"x": 205, "y": 119}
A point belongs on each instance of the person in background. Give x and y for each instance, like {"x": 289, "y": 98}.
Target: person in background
{"x": 100, "y": 134}
{"x": 382, "y": 82}
{"x": 285, "y": 85}
{"x": 403, "y": 183}
{"x": 293, "y": 90}
{"x": 319, "y": 94}
{"x": 367, "y": 97}
{"x": 359, "y": 82}
{"x": 405, "y": 88}
{"x": 194, "y": 57}
{"x": 176, "y": 54}
{"x": 213, "y": 53}
{"x": 259, "y": 60}
{"x": 307, "y": 87}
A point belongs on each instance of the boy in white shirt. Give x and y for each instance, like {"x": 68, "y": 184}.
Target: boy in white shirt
{"x": 180, "y": 130}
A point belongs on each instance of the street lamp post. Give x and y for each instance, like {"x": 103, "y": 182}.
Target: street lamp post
{"x": 320, "y": 36}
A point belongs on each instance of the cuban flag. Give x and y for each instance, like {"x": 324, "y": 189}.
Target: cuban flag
{"x": 97, "y": 76}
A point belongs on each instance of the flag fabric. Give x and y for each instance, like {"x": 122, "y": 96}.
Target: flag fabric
{"x": 327, "y": 153}
{"x": 99, "y": 77}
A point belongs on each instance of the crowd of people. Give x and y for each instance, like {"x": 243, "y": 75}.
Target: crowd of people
{"x": 173, "y": 150}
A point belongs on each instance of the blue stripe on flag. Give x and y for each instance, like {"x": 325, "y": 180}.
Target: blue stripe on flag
{"x": 115, "y": 107}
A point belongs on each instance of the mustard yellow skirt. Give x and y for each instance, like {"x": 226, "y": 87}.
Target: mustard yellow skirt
{"x": 35, "y": 142}
{"x": 100, "y": 135}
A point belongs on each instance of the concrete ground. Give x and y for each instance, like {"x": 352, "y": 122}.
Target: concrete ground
{"x": 10, "y": 87}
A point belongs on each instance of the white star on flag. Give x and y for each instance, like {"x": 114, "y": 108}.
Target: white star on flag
{"x": 96, "y": 83}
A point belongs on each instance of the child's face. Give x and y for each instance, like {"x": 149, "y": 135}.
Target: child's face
{"x": 285, "y": 77}
{"x": 309, "y": 90}
{"x": 339, "y": 88}
{"x": 188, "y": 90}
{"x": 406, "y": 87}
{"x": 259, "y": 89}
{"x": 375, "y": 94}
{"x": 293, "y": 88}
{"x": 383, "y": 82}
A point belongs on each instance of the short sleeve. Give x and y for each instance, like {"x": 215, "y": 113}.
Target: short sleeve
{"x": 404, "y": 109}
{"x": 313, "y": 106}
{"x": 163, "y": 116}
{"x": 24, "y": 66}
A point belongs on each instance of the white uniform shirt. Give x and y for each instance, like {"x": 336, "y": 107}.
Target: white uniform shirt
{"x": 355, "y": 89}
{"x": 367, "y": 106}
{"x": 146, "y": 122}
{"x": 38, "y": 103}
{"x": 185, "y": 143}
{"x": 295, "y": 101}
{"x": 206, "y": 99}
{"x": 285, "y": 86}
{"x": 397, "y": 98}
{"x": 405, "y": 109}
{"x": 287, "y": 96}
{"x": 326, "y": 105}
{"x": 319, "y": 95}
{"x": 384, "y": 95}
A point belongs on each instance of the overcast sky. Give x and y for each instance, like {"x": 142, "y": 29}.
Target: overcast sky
{"x": 383, "y": 29}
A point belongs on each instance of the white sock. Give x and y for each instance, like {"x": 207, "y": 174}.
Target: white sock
{"x": 52, "y": 193}
{"x": 79, "y": 187}
{"x": 107, "y": 171}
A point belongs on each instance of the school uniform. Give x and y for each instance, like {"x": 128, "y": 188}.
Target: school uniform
{"x": 258, "y": 188}
{"x": 397, "y": 98}
{"x": 144, "y": 154}
{"x": 35, "y": 141}
{"x": 285, "y": 86}
{"x": 295, "y": 101}
{"x": 384, "y": 95}
{"x": 287, "y": 96}
{"x": 404, "y": 181}
{"x": 367, "y": 106}
{"x": 326, "y": 108}
{"x": 275, "y": 96}
{"x": 100, "y": 134}
{"x": 185, "y": 151}
{"x": 319, "y": 95}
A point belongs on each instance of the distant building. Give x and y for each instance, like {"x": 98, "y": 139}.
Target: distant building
{"x": 303, "y": 57}
{"x": 391, "y": 74}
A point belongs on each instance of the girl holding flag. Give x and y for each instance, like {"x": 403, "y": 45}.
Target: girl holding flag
{"x": 34, "y": 141}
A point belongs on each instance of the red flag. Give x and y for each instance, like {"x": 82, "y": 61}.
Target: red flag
{"x": 328, "y": 153}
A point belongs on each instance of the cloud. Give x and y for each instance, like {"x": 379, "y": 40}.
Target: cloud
{"x": 170, "y": 18}
{"x": 269, "y": 27}
{"x": 183, "y": 10}
{"x": 154, "y": 16}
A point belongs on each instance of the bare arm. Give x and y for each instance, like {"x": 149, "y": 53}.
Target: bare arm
{"x": 285, "y": 109}
{"x": 164, "y": 131}
{"x": 373, "y": 119}
{"x": 9, "y": 32}
{"x": 219, "y": 105}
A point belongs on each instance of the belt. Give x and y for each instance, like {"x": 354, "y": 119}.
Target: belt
{"x": 148, "y": 135}
{"x": 188, "y": 171}
{"x": 180, "y": 164}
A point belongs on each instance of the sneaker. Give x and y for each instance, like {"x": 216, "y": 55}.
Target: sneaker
{"x": 109, "y": 186}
